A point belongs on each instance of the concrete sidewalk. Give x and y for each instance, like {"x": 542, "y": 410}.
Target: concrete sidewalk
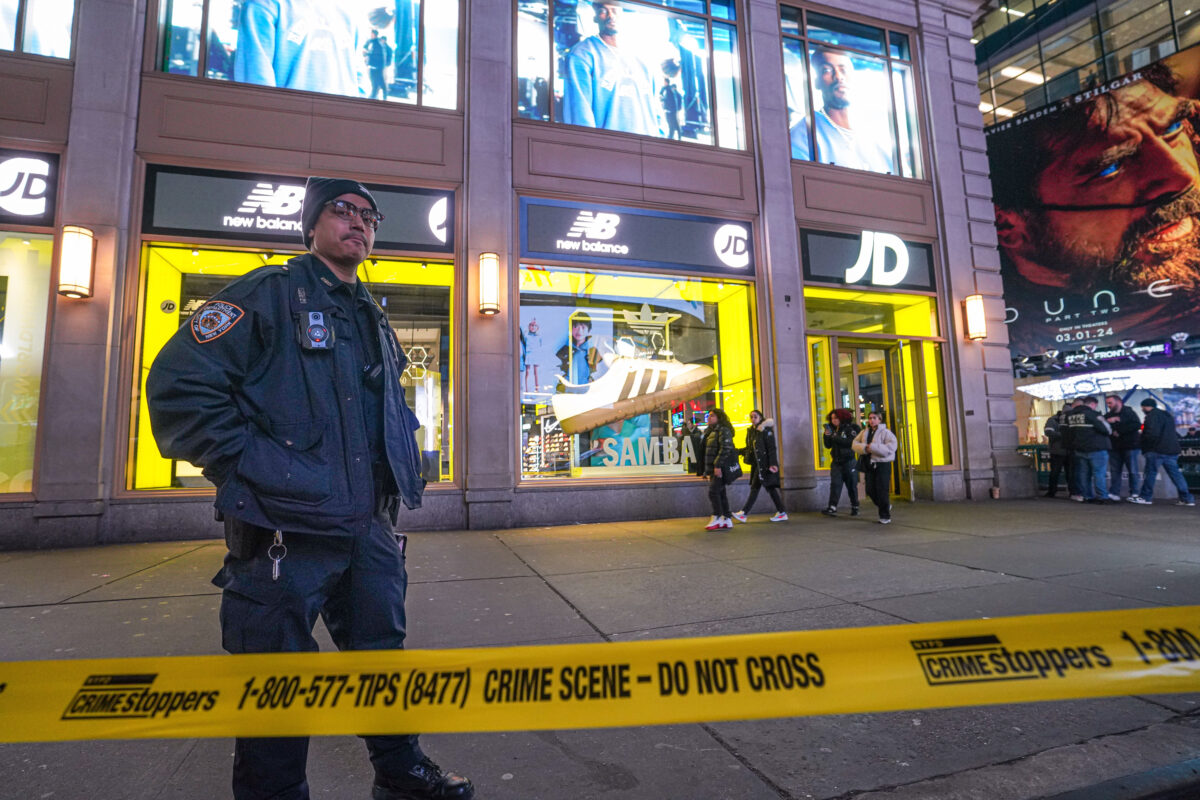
{"x": 661, "y": 579}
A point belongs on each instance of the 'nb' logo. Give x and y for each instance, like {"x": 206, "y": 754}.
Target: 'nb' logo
{"x": 24, "y": 186}
{"x": 267, "y": 199}
{"x": 590, "y": 225}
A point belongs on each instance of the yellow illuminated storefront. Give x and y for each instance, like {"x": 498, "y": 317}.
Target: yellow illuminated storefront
{"x": 615, "y": 364}
{"x": 25, "y": 267}
{"x": 872, "y": 350}
{"x": 28, "y": 219}
{"x": 176, "y": 279}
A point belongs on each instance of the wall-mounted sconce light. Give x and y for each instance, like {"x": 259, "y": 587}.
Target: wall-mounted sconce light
{"x": 489, "y": 283}
{"x": 973, "y": 317}
{"x": 76, "y": 261}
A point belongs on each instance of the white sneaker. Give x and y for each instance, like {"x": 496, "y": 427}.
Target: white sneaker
{"x": 1141, "y": 501}
{"x": 1186, "y": 503}
{"x": 631, "y": 386}
{"x": 885, "y": 521}
{"x": 740, "y": 516}
{"x": 1116, "y": 498}
{"x": 1078, "y": 498}
{"x": 726, "y": 522}
{"x": 714, "y": 524}
{"x": 780, "y": 517}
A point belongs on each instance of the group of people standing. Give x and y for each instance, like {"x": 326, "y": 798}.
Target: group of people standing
{"x": 870, "y": 450}
{"x": 1097, "y": 450}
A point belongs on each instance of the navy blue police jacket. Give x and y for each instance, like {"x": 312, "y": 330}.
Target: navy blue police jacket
{"x": 278, "y": 427}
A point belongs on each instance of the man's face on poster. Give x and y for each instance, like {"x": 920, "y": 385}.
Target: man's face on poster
{"x": 1143, "y": 159}
{"x": 607, "y": 16}
{"x": 835, "y": 74}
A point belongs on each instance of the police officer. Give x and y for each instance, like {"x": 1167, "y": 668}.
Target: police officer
{"x": 285, "y": 389}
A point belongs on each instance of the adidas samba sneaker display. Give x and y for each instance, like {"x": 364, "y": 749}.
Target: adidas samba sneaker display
{"x": 631, "y": 386}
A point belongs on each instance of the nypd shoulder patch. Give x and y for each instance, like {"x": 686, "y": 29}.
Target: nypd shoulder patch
{"x": 214, "y": 319}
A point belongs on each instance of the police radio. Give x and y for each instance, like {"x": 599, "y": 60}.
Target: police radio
{"x": 315, "y": 334}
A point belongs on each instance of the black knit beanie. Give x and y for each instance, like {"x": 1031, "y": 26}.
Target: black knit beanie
{"x": 320, "y": 191}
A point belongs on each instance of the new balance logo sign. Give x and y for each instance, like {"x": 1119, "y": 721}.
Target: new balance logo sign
{"x": 266, "y": 198}
{"x": 264, "y": 206}
{"x": 591, "y": 225}
{"x": 595, "y": 227}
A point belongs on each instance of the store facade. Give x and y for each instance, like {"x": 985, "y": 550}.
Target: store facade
{"x": 572, "y": 274}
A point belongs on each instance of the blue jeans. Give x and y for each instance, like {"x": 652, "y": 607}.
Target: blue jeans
{"x": 1126, "y": 460}
{"x": 1091, "y": 474}
{"x": 1171, "y": 465}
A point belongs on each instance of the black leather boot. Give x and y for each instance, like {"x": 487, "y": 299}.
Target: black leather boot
{"x": 424, "y": 781}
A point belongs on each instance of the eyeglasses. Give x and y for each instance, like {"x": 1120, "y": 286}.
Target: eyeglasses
{"x": 370, "y": 217}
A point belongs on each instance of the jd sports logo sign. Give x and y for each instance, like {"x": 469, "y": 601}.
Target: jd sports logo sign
{"x": 882, "y": 260}
{"x": 869, "y": 259}
{"x": 27, "y": 187}
{"x": 634, "y": 237}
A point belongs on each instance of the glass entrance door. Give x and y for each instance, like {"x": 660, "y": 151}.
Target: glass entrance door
{"x": 868, "y": 379}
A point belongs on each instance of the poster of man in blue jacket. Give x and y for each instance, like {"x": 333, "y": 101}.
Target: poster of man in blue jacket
{"x": 607, "y": 85}
{"x": 309, "y": 45}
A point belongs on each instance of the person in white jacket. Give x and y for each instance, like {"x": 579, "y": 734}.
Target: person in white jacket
{"x": 876, "y": 446}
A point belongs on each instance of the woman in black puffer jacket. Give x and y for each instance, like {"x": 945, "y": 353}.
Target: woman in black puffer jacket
{"x": 763, "y": 455}
{"x": 719, "y": 452}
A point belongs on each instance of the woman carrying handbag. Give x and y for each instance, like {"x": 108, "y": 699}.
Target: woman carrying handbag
{"x": 763, "y": 455}
{"x": 719, "y": 456}
{"x": 876, "y": 447}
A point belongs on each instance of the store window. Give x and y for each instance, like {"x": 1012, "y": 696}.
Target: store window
{"x": 404, "y": 51}
{"x": 179, "y": 279}
{"x": 612, "y": 364}
{"x": 25, "y": 266}
{"x": 670, "y": 69}
{"x": 851, "y": 92}
{"x": 38, "y": 27}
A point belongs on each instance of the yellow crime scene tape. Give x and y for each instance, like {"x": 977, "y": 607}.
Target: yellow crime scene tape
{"x": 753, "y": 676}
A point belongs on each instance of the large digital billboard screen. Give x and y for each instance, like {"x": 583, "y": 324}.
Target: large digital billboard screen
{"x": 1097, "y": 200}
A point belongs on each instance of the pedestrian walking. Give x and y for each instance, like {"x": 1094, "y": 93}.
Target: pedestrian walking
{"x": 1127, "y": 446}
{"x": 1090, "y": 437}
{"x": 1160, "y": 445}
{"x": 840, "y": 431}
{"x": 876, "y": 447}
{"x": 762, "y": 454}
{"x": 719, "y": 456}
{"x": 1060, "y": 461}
{"x": 285, "y": 389}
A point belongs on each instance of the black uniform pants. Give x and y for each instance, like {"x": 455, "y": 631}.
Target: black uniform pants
{"x": 1060, "y": 463}
{"x": 772, "y": 492}
{"x": 718, "y": 496}
{"x": 844, "y": 474}
{"x": 357, "y": 586}
{"x": 878, "y": 478}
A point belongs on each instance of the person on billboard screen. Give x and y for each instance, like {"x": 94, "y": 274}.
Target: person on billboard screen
{"x": 1098, "y": 214}
{"x": 608, "y": 86}
{"x": 841, "y": 139}
{"x": 305, "y": 44}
